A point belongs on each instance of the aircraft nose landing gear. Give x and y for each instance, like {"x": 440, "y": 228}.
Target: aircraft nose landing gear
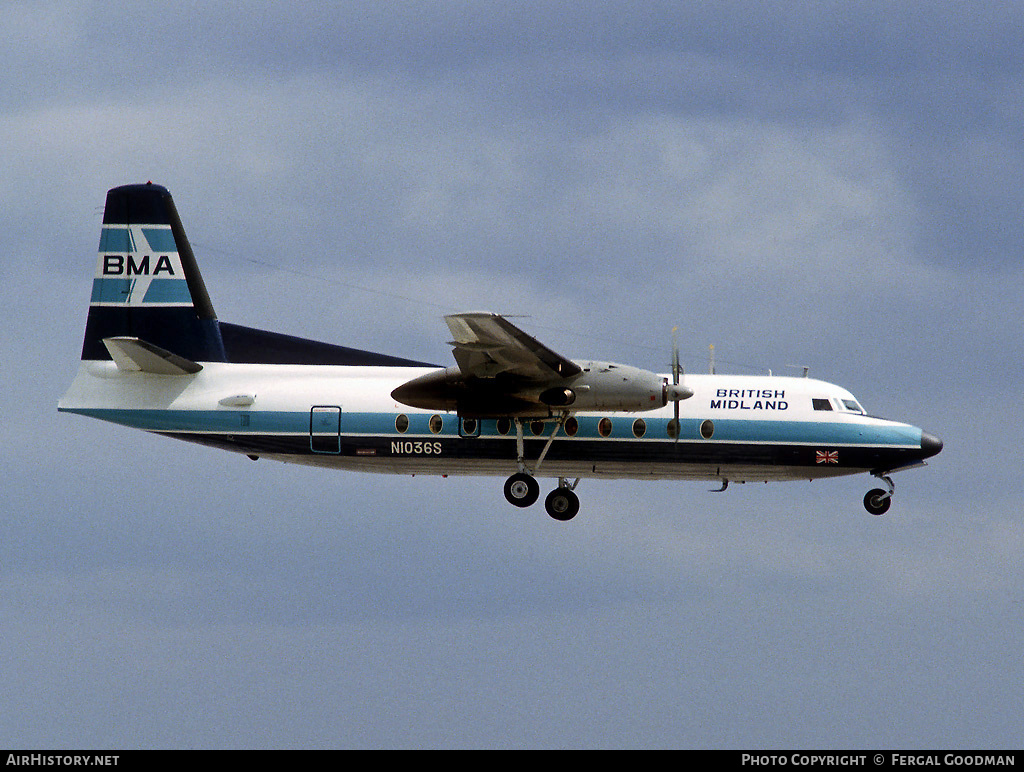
{"x": 877, "y": 501}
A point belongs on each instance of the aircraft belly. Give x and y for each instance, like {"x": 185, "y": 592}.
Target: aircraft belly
{"x": 610, "y": 471}
{"x": 652, "y": 459}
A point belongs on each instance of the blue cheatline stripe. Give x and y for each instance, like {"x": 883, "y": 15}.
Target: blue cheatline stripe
{"x": 168, "y": 291}
{"x": 383, "y": 425}
{"x": 809, "y": 432}
{"x": 120, "y": 240}
{"x": 116, "y": 240}
{"x": 726, "y": 430}
{"x": 159, "y": 291}
{"x": 160, "y": 239}
{"x": 111, "y": 290}
{"x": 227, "y": 421}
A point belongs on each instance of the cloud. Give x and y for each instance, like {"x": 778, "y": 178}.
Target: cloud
{"x": 830, "y": 185}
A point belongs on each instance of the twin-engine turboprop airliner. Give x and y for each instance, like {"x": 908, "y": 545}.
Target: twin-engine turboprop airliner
{"x": 157, "y": 358}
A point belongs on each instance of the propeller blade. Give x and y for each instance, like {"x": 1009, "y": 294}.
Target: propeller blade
{"x": 676, "y": 375}
{"x": 675, "y": 356}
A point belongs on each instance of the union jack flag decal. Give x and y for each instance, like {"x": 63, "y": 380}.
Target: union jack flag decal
{"x": 827, "y": 457}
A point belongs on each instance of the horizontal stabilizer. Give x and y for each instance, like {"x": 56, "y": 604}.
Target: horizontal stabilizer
{"x": 134, "y": 355}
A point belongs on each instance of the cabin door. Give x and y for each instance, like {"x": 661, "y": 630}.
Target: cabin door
{"x": 325, "y": 429}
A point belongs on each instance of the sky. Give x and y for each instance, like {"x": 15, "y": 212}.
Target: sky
{"x": 833, "y": 185}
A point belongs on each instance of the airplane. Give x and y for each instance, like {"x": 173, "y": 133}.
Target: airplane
{"x": 156, "y": 357}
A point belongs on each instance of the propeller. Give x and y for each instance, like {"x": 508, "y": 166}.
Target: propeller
{"x": 677, "y": 392}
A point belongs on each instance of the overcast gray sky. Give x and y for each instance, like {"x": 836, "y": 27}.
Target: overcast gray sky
{"x": 834, "y": 185}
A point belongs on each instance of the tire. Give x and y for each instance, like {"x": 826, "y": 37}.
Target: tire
{"x": 521, "y": 490}
{"x": 562, "y": 504}
{"x": 877, "y": 501}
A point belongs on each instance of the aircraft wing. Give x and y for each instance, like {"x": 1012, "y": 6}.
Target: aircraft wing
{"x": 503, "y": 372}
{"x": 487, "y": 345}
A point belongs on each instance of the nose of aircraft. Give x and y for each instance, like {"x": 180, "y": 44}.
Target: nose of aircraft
{"x": 930, "y": 445}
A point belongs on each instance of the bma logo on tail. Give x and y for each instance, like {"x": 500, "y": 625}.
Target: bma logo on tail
{"x": 120, "y": 265}
{"x": 139, "y": 265}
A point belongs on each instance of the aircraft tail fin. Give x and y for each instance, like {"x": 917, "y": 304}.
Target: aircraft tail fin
{"x": 147, "y": 285}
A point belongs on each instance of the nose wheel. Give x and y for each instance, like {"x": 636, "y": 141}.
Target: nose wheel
{"x": 878, "y": 501}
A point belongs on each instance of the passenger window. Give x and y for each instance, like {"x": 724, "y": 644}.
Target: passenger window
{"x": 571, "y": 426}
{"x": 822, "y": 404}
{"x": 604, "y": 427}
{"x": 402, "y": 423}
{"x": 503, "y": 425}
{"x": 436, "y": 423}
{"x": 672, "y": 428}
{"x": 639, "y": 428}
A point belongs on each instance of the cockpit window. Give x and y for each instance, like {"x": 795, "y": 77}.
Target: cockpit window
{"x": 851, "y": 404}
{"x": 821, "y": 404}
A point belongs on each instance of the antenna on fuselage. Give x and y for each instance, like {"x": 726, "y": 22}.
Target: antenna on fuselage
{"x": 805, "y": 368}
{"x": 711, "y": 359}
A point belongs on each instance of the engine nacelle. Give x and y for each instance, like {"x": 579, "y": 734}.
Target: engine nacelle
{"x": 614, "y": 387}
{"x": 600, "y": 386}
{"x": 477, "y": 398}
{"x": 611, "y": 386}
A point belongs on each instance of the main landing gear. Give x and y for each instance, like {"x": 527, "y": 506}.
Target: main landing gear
{"x": 878, "y": 501}
{"x": 562, "y": 503}
{"x": 522, "y": 489}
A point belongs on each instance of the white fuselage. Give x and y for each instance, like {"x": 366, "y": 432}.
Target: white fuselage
{"x": 738, "y": 428}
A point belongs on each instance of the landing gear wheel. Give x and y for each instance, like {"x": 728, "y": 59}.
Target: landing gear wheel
{"x": 877, "y": 501}
{"x": 521, "y": 489}
{"x": 562, "y": 504}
